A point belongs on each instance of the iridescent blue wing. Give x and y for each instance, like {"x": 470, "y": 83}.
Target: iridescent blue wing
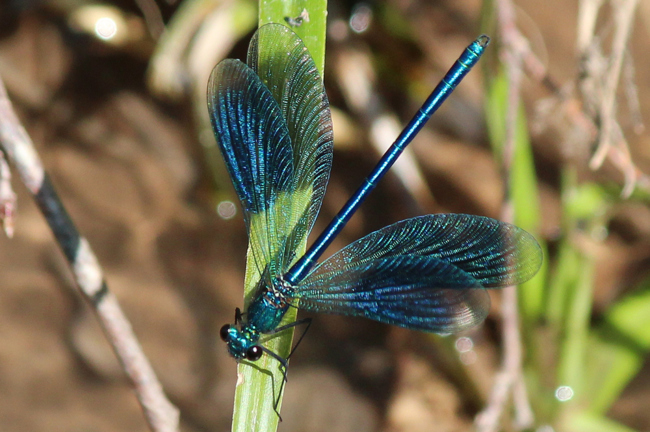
{"x": 284, "y": 65}
{"x": 254, "y": 141}
{"x": 273, "y": 125}
{"x": 494, "y": 253}
{"x": 426, "y": 273}
{"x": 421, "y": 293}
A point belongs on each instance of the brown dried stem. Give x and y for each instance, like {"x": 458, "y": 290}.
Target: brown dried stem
{"x": 160, "y": 414}
{"x": 623, "y": 18}
{"x": 509, "y": 380}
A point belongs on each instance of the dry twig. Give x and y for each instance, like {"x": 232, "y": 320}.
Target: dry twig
{"x": 510, "y": 379}
{"x": 152, "y": 17}
{"x": 599, "y": 85}
{"x": 7, "y": 198}
{"x": 160, "y": 414}
{"x": 623, "y": 17}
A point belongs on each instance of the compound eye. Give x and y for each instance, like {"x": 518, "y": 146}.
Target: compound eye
{"x": 254, "y": 353}
{"x": 224, "y": 332}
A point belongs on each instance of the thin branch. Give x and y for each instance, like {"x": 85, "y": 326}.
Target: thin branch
{"x": 632, "y": 95}
{"x": 587, "y": 17}
{"x": 160, "y": 414}
{"x": 152, "y": 16}
{"x": 623, "y": 17}
{"x": 509, "y": 380}
{"x": 612, "y": 144}
{"x": 7, "y": 198}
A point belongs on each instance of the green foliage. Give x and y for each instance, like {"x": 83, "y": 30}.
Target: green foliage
{"x": 618, "y": 347}
{"x": 564, "y": 347}
{"x": 585, "y": 422}
{"x": 522, "y": 185}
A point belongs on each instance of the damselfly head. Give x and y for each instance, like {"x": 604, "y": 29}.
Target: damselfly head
{"x": 254, "y": 353}
{"x": 241, "y": 342}
{"x": 224, "y": 333}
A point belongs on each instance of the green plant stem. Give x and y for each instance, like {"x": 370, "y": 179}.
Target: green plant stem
{"x": 258, "y": 385}
{"x": 576, "y": 332}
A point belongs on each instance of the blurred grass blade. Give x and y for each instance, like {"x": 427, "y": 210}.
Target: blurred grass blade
{"x": 199, "y": 35}
{"x": 561, "y": 284}
{"x": 618, "y": 349}
{"x": 585, "y": 217}
{"x": 585, "y": 422}
{"x": 575, "y": 337}
{"x": 582, "y": 205}
{"x": 523, "y": 185}
{"x": 258, "y": 384}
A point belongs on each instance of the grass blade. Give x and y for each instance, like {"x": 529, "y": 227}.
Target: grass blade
{"x": 258, "y": 385}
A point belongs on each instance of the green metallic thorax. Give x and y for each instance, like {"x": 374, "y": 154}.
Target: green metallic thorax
{"x": 264, "y": 315}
